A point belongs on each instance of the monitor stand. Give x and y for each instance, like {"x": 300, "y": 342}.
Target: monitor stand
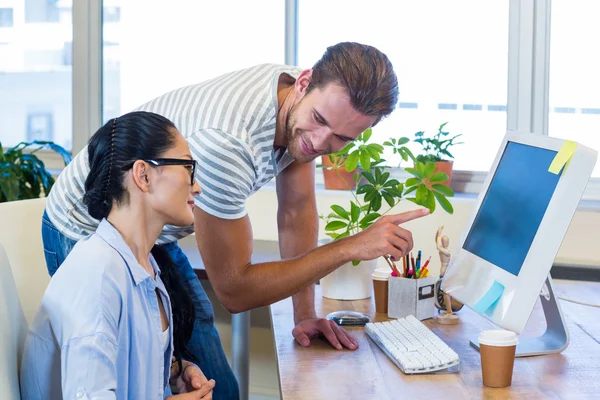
{"x": 556, "y": 337}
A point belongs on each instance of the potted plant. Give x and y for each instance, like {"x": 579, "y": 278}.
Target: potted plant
{"x": 22, "y": 174}
{"x": 435, "y": 149}
{"x": 352, "y": 281}
{"x": 339, "y": 169}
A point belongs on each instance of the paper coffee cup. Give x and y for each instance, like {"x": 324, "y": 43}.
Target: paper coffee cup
{"x": 497, "y": 348}
{"x": 380, "y": 288}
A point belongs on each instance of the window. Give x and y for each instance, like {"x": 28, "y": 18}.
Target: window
{"x": 574, "y": 104}
{"x": 6, "y": 17}
{"x": 40, "y": 126}
{"x": 192, "y": 42}
{"x": 36, "y": 77}
{"x": 451, "y": 64}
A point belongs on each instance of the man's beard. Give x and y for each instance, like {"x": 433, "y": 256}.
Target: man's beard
{"x": 293, "y": 137}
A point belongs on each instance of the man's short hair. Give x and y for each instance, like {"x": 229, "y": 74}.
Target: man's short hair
{"x": 365, "y": 72}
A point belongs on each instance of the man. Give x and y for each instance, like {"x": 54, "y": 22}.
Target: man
{"x": 244, "y": 128}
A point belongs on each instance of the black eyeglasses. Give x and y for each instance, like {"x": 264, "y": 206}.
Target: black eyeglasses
{"x": 157, "y": 162}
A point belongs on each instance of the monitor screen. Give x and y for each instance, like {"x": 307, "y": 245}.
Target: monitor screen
{"x": 513, "y": 207}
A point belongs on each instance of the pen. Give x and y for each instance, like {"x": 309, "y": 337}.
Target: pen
{"x": 418, "y": 263}
{"x": 389, "y": 262}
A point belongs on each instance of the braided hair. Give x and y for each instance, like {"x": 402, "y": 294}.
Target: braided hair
{"x": 136, "y": 136}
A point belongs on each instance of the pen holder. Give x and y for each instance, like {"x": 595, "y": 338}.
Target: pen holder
{"x": 411, "y": 297}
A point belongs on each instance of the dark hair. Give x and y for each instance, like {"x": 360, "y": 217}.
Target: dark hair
{"x": 135, "y": 136}
{"x": 184, "y": 313}
{"x": 365, "y": 72}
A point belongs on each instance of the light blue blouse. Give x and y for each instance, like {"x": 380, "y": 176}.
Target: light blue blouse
{"x": 98, "y": 333}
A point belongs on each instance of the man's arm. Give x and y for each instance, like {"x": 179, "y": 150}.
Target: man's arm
{"x": 298, "y": 225}
{"x": 226, "y": 248}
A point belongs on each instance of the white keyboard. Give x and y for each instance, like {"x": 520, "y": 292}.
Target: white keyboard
{"x": 412, "y": 346}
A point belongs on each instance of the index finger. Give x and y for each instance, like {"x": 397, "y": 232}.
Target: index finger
{"x": 408, "y": 216}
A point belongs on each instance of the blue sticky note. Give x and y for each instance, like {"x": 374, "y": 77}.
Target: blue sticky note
{"x": 490, "y": 298}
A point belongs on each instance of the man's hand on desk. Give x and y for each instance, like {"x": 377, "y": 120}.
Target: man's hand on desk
{"x": 316, "y": 327}
{"x": 192, "y": 384}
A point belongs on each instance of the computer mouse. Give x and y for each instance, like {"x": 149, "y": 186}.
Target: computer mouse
{"x": 348, "y": 318}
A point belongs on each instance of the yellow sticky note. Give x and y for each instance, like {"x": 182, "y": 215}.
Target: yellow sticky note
{"x": 562, "y": 157}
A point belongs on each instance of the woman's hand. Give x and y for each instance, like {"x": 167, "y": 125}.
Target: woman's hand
{"x": 192, "y": 381}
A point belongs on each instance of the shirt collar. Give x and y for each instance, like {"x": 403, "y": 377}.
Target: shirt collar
{"x": 114, "y": 239}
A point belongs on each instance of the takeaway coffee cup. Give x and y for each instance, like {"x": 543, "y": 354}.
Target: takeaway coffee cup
{"x": 380, "y": 288}
{"x": 497, "y": 348}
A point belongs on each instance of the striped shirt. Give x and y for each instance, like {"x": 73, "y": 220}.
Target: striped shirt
{"x": 229, "y": 123}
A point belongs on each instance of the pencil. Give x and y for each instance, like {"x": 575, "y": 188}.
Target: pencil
{"x": 424, "y": 268}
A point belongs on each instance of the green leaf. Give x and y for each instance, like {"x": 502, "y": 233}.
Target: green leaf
{"x": 409, "y": 153}
{"x": 444, "y": 202}
{"x": 394, "y": 192}
{"x": 371, "y": 195}
{"x": 355, "y": 262}
{"x": 378, "y": 175}
{"x": 403, "y": 140}
{"x": 352, "y": 161}
{"x": 366, "y": 135}
{"x": 354, "y": 211}
{"x": 443, "y": 189}
{"x": 411, "y": 189}
{"x": 339, "y": 210}
{"x": 335, "y": 225}
{"x": 369, "y": 177}
{"x": 364, "y": 189}
{"x": 438, "y": 177}
{"x": 429, "y": 168}
{"x": 422, "y": 192}
{"x": 421, "y": 169}
{"x": 376, "y": 202}
{"x": 430, "y": 202}
{"x": 386, "y": 143}
{"x": 412, "y": 182}
{"x": 345, "y": 150}
{"x": 413, "y": 171}
{"x": 369, "y": 218}
{"x": 374, "y": 154}
{"x": 365, "y": 160}
{"x": 376, "y": 147}
{"x": 388, "y": 198}
{"x": 384, "y": 178}
{"x": 342, "y": 235}
{"x": 391, "y": 182}
{"x": 334, "y": 216}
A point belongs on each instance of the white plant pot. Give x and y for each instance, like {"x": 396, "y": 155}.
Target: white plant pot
{"x": 349, "y": 282}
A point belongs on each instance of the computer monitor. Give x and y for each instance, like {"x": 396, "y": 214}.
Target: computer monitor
{"x": 518, "y": 224}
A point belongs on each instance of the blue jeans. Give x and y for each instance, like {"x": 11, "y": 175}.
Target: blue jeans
{"x": 205, "y": 343}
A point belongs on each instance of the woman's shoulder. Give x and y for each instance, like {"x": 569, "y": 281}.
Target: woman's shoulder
{"x": 93, "y": 270}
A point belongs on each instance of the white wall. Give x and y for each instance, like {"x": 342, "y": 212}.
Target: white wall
{"x": 579, "y": 247}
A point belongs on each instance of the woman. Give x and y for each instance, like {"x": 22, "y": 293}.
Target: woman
{"x": 115, "y": 312}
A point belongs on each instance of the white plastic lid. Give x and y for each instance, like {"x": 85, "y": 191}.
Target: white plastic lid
{"x": 500, "y": 338}
{"x": 381, "y": 274}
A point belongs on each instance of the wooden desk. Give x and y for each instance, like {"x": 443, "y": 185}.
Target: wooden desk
{"x": 321, "y": 372}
